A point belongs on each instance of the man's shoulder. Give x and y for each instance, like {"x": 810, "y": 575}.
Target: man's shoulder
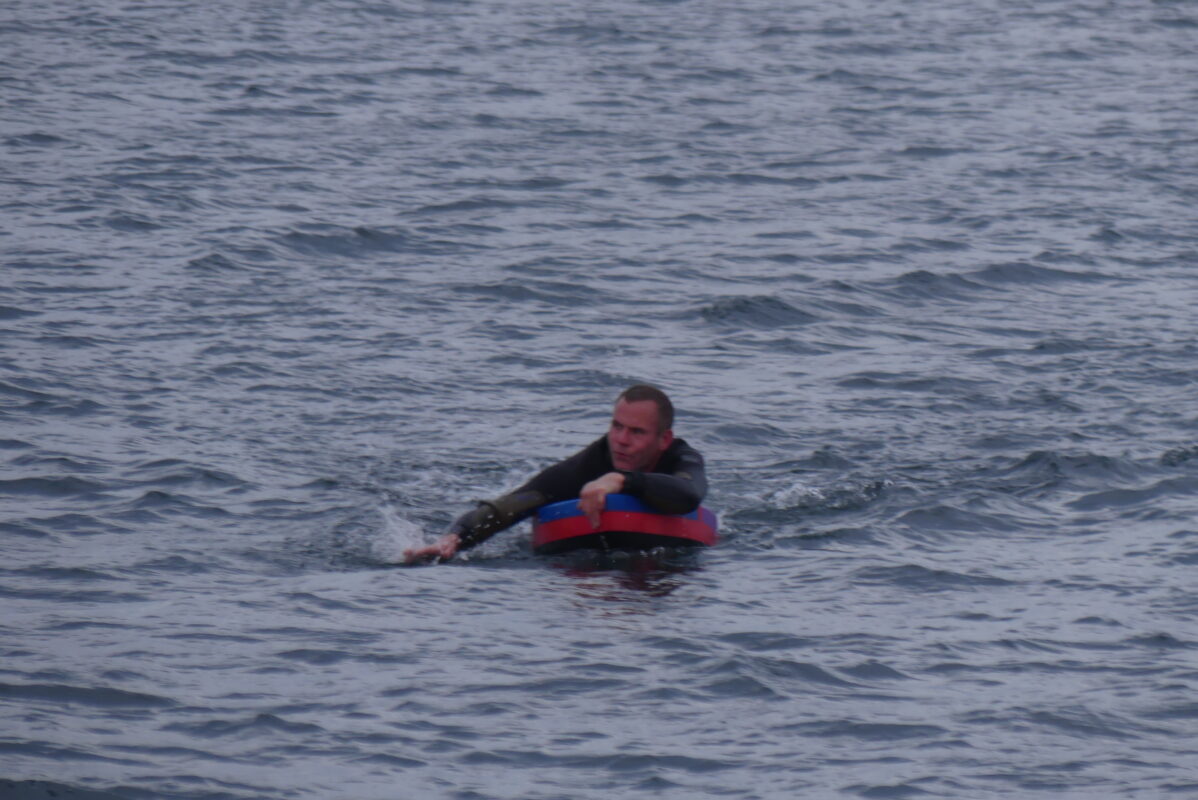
{"x": 680, "y": 448}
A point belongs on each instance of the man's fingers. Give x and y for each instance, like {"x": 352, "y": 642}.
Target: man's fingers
{"x": 439, "y": 551}
{"x": 417, "y": 556}
{"x": 593, "y": 507}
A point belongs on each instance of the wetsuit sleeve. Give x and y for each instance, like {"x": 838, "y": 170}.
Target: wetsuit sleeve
{"x": 678, "y": 491}
{"x": 565, "y": 479}
{"x": 562, "y": 481}
{"x": 492, "y": 516}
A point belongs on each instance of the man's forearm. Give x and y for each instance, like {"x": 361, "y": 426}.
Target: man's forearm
{"x": 679, "y": 493}
{"x": 492, "y": 516}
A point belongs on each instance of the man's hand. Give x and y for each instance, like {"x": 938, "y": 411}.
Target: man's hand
{"x": 593, "y": 497}
{"x": 442, "y": 550}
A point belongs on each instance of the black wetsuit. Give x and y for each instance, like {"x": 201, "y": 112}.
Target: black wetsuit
{"x": 676, "y": 485}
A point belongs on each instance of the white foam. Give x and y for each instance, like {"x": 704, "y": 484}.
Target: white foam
{"x": 397, "y": 535}
{"x": 797, "y": 494}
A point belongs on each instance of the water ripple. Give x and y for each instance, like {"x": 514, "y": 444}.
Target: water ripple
{"x": 285, "y": 296}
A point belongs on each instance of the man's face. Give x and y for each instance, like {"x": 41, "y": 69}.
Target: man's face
{"x": 633, "y": 438}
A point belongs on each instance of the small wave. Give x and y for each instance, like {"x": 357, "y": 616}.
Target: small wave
{"x": 51, "y": 487}
{"x": 916, "y": 245}
{"x": 942, "y": 386}
{"x": 1179, "y": 455}
{"x": 315, "y": 657}
{"x": 291, "y": 111}
{"x": 1152, "y": 496}
{"x": 132, "y": 223}
{"x": 35, "y": 139}
{"x": 750, "y": 179}
{"x": 764, "y": 641}
{"x": 553, "y": 293}
{"x": 424, "y": 72}
{"x": 214, "y": 264}
{"x": 866, "y": 731}
{"x": 851, "y": 77}
{"x": 1180, "y": 711}
{"x": 12, "y": 390}
{"x": 920, "y": 578}
{"x": 1184, "y": 23}
{"x": 71, "y": 574}
{"x": 101, "y": 696}
{"x": 173, "y": 472}
{"x": 747, "y": 433}
{"x": 1068, "y": 54}
{"x": 74, "y": 342}
{"x": 508, "y": 90}
{"x": 778, "y": 234}
{"x": 944, "y": 519}
{"x": 1083, "y": 723}
{"x": 517, "y": 185}
{"x": 824, "y": 458}
{"x": 245, "y": 57}
{"x": 471, "y": 205}
{"x": 12, "y": 312}
{"x": 77, "y": 524}
{"x": 808, "y": 499}
{"x": 62, "y": 463}
{"x": 733, "y": 178}
{"x": 78, "y": 597}
{"x": 757, "y": 311}
{"x": 774, "y": 669}
{"x": 742, "y": 686}
{"x": 928, "y": 151}
{"x": 258, "y": 725}
{"x": 820, "y": 539}
{"x": 23, "y": 528}
{"x": 579, "y": 133}
{"x": 157, "y": 501}
{"x": 1022, "y": 274}
{"x": 175, "y": 564}
{"x": 1043, "y": 469}
{"x": 594, "y": 34}
{"x": 40, "y": 790}
{"x": 1162, "y": 641}
{"x": 874, "y": 671}
{"x": 245, "y": 369}
{"x": 337, "y": 241}
{"x": 922, "y": 284}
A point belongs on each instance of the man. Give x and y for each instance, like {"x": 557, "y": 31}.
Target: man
{"x": 639, "y": 456}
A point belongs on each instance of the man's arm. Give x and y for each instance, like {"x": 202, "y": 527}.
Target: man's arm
{"x": 676, "y": 492}
{"x": 561, "y": 481}
{"x": 593, "y": 497}
{"x": 479, "y": 524}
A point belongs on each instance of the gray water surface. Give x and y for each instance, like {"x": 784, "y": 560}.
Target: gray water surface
{"x": 286, "y": 285}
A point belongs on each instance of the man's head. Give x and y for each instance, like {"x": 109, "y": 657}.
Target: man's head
{"x": 641, "y": 428}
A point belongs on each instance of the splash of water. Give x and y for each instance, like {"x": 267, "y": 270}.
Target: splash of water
{"x": 398, "y": 533}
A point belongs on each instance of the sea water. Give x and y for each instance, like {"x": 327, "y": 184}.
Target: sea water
{"x": 287, "y": 285}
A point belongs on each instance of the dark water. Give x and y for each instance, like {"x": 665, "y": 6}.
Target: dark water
{"x": 287, "y": 284}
